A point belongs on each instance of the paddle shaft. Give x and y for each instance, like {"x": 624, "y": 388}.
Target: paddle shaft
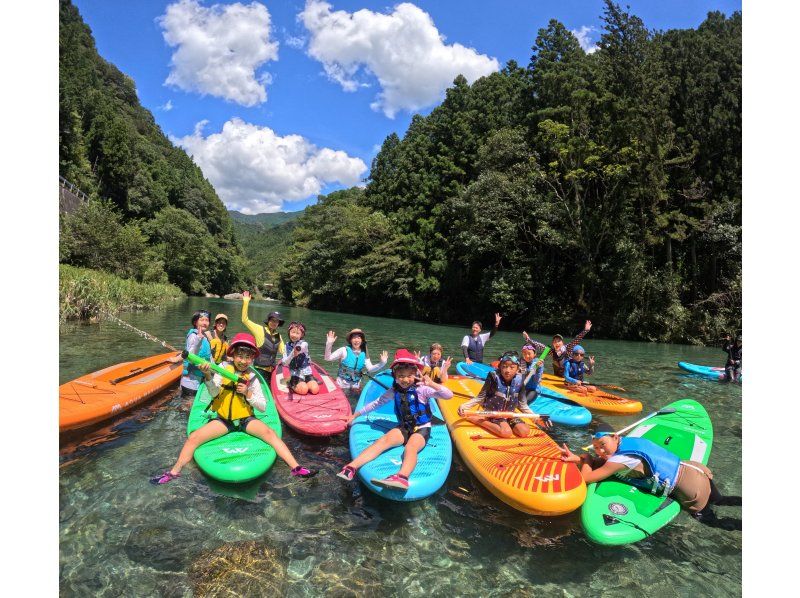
{"x": 663, "y": 411}
{"x": 507, "y": 414}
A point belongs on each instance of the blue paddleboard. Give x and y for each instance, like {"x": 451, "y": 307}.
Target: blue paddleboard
{"x": 433, "y": 464}
{"x": 711, "y": 373}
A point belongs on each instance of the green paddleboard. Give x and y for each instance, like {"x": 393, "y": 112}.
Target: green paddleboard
{"x": 617, "y": 513}
{"x": 237, "y": 456}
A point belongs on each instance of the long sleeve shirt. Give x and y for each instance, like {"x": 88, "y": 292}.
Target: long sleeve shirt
{"x": 255, "y": 396}
{"x": 424, "y": 393}
{"x": 341, "y": 353}
{"x": 193, "y": 342}
{"x": 560, "y": 356}
{"x": 488, "y": 389}
{"x": 533, "y": 375}
{"x": 567, "y": 378}
{"x": 289, "y": 354}
{"x": 257, "y": 330}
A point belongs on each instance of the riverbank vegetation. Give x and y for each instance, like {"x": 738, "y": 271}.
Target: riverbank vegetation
{"x": 84, "y": 293}
{"x": 603, "y": 185}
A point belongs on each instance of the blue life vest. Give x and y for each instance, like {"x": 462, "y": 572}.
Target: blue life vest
{"x": 299, "y": 364}
{"x": 575, "y": 369}
{"x": 191, "y": 370}
{"x": 662, "y": 465}
{"x": 533, "y": 381}
{"x": 475, "y": 348}
{"x": 506, "y": 396}
{"x": 350, "y": 367}
{"x": 411, "y": 413}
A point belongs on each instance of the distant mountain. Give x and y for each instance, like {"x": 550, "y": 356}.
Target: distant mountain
{"x": 266, "y": 220}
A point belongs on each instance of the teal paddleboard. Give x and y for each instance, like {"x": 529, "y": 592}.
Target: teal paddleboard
{"x": 236, "y": 456}
{"x": 618, "y": 513}
{"x": 433, "y": 461}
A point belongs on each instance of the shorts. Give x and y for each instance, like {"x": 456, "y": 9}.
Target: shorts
{"x": 294, "y": 380}
{"x": 693, "y": 486}
{"x": 511, "y": 422}
{"x": 424, "y": 432}
{"x": 233, "y": 426}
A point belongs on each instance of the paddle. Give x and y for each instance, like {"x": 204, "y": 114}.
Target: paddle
{"x": 664, "y": 411}
{"x": 508, "y": 414}
{"x": 608, "y": 386}
{"x": 138, "y": 371}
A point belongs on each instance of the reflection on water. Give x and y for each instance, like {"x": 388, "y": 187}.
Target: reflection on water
{"x": 278, "y": 535}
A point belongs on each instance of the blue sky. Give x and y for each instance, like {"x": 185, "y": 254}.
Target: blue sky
{"x": 280, "y": 101}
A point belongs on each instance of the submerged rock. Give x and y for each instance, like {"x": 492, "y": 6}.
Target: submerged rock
{"x": 238, "y": 569}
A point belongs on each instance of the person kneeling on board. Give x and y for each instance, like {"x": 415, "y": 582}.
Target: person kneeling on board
{"x": 234, "y": 404}
{"x": 503, "y": 390}
{"x": 644, "y": 464}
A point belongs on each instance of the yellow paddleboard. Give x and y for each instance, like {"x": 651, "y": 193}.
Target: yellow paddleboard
{"x": 526, "y": 473}
{"x": 599, "y": 400}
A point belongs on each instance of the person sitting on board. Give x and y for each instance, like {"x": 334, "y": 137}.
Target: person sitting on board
{"x": 411, "y": 405}
{"x": 575, "y": 369}
{"x": 645, "y": 464}
{"x": 503, "y": 390}
{"x": 197, "y": 342}
{"x": 433, "y": 364}
{"x": 733, "y": 366}
{"x": 561, "y": 352}
{"x": 352, "y": 359}
{"x": 472, "y": 344}
{"x": 531, "y": 369}
{"x": 269, "y": 341}
{"x": 219, "y": 340}
{"x": 234, "y": 404}
{"x": 297, "y": 359}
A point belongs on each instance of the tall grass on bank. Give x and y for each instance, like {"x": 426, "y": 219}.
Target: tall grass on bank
{"x": 82, "y": 293}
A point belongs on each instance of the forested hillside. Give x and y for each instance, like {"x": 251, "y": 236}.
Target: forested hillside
{"x": 159, "y": 219}
{"x": 265, "y": 239}
{"x": 603, "y": 185}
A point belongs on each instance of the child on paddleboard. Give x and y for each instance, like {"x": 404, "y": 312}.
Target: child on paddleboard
{"x": 234, "y": 404}
{"x": 269, "y": 341}
{"x": 296, "y": 357}
{"x": 352, "y": 359}
{"x": 411, "y": 405}
{"x": 197, "y": 342}
{"x": 503, "y": 390}
{"x": 472, "y": 344}
{"x": 560, "y": 352}
{"x": 575, "y": 369}
{"x": 219, "y": 340}
{"x": 531, "y": 369}
{"x": 733, "y": 365}
{"x": 645, "y": 464}
{"x": 433, "y": 365}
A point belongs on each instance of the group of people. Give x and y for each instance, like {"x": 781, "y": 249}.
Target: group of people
{"x": 417, "y": 378}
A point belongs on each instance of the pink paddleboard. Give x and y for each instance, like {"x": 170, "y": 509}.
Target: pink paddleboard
{"x": 315, "y": 415}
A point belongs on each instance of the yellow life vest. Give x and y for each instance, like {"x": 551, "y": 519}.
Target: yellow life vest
{"x": 228, "y": 403}
{"x": 218, "y": 349}
{"x": 436, "y": 374}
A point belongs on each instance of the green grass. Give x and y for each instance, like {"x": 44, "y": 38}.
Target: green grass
{"x": 83, "y": 293}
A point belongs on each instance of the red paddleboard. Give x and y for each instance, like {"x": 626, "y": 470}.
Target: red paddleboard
{"x": 315, "y": 415}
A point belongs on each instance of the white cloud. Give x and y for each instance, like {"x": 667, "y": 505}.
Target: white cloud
{"x": 253, "y": 169}
{"x": 583, "y": 38}
{"x": 298, "y": 43}
{"x": 404, "y": 50}
{"x": 219, "y": 49}
{"x": 167, "y": 107}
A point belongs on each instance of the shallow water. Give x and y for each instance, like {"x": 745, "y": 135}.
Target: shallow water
{"x": 120, "y": 535}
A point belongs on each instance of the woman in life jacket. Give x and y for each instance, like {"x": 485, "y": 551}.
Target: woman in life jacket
{"x": 411, "y": 405}
{"x": 645, "y": 464}
{"x": 234, "y": 405}
{"x": 503, "y": 390}
{"x": 297, "y": 359}
{"x": 352, "y": 359}
{"x": 575, "y": 369}
{"x": 269, "y": 341}
{"x": 433, "y": 365}
{"x": 733, "y": 365}
{"x": 219, "y": 340}
{"x": 199, "y": 343}
{"x": 560, "y": 352}
{"x": 472, "y": 344}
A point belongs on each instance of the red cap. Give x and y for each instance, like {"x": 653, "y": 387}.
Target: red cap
{"x": 242, "y": 338}
{"x": 405, "y": 356}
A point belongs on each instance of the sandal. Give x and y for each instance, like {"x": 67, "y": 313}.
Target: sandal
{"x": 165, "y": 477}
{"x": 304, "y": 472}
{"x": 395, "y": 481}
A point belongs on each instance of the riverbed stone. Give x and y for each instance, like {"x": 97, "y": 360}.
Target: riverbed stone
{"x": 233, "y": 296}
{"x": 248, "y": 568}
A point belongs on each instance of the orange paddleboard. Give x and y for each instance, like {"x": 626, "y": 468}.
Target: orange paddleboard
{"x": 600, "y": 400}
{"x": 111, "y": 391}
{"x": 525, "y": 473}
